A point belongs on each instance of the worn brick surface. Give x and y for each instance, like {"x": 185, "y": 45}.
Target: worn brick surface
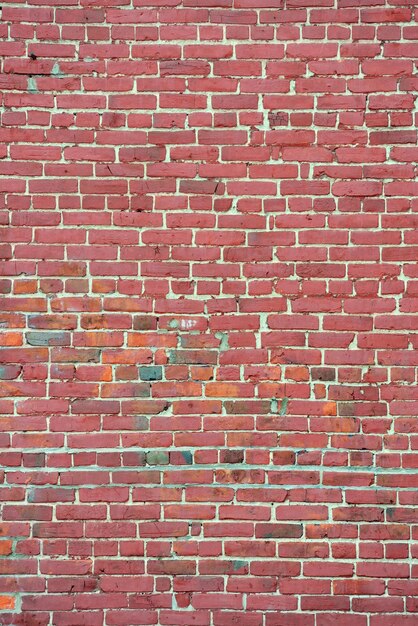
{"x": 209, "y": 303}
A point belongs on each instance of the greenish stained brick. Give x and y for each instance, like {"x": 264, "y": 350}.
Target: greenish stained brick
{"x": 154, "y": 372}
{"x": 10, "y": 372}
{"x": 48, "y": 339}
{"x": 172, "y": 357}
{"x": 236, "y": 565}
{"x": 187, "y": 456}
{"x": 283, "y": 407}
{"x": 157, "y": 457}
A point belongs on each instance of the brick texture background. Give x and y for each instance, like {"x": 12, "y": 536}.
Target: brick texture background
{"x": 210, "y": 289}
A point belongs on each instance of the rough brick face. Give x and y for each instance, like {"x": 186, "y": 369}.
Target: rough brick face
{"x": 209, "y": 313}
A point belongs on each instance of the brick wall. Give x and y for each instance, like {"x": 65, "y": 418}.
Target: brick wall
{"x": 210, "y": 289}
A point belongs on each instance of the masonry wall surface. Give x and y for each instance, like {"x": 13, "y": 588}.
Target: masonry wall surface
{"x": 209, "y": 313}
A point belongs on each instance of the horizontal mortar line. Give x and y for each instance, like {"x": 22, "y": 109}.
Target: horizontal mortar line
{"x": 195, "y": 467}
